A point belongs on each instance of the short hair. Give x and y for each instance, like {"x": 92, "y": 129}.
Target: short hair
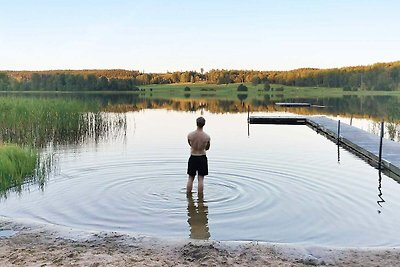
{"x": 200, "y": 122}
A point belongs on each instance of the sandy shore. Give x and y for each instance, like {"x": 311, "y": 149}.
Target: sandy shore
{"x": 40, "y": 245}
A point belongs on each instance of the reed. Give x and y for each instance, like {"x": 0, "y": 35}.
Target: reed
{"x": 17, "y": 164}
{"x": 38, "y": 122}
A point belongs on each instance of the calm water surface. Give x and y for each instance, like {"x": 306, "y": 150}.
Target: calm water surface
{"x": 279, "y": 184}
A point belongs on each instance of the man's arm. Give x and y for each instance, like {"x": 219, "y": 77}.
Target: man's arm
{"x": 208, "y": 145}
{"x": 189, "y": 142}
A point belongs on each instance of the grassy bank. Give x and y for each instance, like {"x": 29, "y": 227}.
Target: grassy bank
{"x": 229, "y": 91}
{"x": 224, "y": 92}
{"x": 16, "y": 164}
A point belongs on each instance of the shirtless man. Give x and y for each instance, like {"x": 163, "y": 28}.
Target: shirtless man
{"x": 199, "y": 142}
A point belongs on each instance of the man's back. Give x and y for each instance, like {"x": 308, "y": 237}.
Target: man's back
{"x": 199, "y": 142}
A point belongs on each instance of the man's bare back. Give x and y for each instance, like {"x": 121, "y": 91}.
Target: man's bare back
{"x": 199, "y": 142}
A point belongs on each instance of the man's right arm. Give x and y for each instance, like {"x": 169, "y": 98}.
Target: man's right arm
{"x": 188, "y": 138}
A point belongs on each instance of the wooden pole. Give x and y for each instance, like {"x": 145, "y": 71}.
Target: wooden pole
{"x": 380, "y": 144}
{"x": 248, "y": 120}
{"x": 338, "y": 133}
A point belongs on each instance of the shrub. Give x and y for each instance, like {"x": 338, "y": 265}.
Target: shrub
{"x": 242, "y": 88}
{"x": 267, "y": 86}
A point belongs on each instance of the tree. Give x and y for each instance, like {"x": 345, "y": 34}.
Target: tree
{"x": 266, "y": 86}
{"x": 255, "y": 80}
{"x": 91, "y": 82}
{"x": 4, "y": 82}
{"x": 242, "y": 88}
{"x": 36, "y": 81}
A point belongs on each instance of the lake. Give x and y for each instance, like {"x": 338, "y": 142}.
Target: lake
{"x": 273, "y": 183}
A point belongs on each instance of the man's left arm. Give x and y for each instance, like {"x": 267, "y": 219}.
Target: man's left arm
{"x": 208, "y": 145}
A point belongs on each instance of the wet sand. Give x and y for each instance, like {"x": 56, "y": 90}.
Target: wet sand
{"x": 44, "y": 245}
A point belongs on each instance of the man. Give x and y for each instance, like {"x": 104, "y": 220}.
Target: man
{"x": 199, "y": 142}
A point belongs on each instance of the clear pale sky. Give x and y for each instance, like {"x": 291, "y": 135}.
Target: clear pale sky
{"x": 171, "y": 35}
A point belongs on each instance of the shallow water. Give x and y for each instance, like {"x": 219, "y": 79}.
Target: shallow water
{"x": 279, "y": 184}
{"x": 7, "y": 233}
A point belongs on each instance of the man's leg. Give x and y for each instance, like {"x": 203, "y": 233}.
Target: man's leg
{"x": 189, "y": 185}
{"x": 201, "y": 184}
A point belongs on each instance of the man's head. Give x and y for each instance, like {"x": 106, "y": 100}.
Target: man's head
{"x": 200, "y": 122}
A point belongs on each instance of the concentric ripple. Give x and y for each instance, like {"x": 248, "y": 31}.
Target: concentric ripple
{"x": 269, "y": 188}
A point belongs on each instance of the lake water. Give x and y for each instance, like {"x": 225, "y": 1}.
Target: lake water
{"x": 284, "y": 184}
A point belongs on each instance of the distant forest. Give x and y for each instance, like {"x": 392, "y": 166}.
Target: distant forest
{"x": 377, "y": 77}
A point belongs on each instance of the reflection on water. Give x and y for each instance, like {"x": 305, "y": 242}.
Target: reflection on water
{"x": 281, "y": 184}
{"x": 376, "y": 107}
{"x": 381, "y": 200}
{"x": 198, "y": 217}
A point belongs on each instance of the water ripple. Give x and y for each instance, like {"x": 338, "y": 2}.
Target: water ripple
{"x": 255, "y": 195}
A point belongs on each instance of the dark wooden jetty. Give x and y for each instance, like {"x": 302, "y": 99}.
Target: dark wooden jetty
{"x": 278, "y": 120}
{"x": 293, "y": 104}
{"x": 364, "y": 144}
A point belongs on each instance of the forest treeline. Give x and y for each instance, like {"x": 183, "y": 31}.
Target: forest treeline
{"x": 378, "y": 77}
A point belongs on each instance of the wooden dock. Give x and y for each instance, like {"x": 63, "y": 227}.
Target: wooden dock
{"x": 361, "y": 142}
{"x": 278, "y": 120}
{"x": 284, "y": 104}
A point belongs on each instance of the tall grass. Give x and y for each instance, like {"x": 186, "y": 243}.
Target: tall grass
{"x": 35, "y": 125}
{"x": 16, "y": 164}
{"x": 40, "y": 121}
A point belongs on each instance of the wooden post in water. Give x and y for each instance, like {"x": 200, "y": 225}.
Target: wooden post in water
{"x": 248, "y": 121}
{"x": 338, "y": 133}
{"x": 380, "y": 144}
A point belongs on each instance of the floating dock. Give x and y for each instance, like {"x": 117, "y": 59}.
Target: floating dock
{"x": 293, "y": 104}
{"x": 298, "y": 105}
{"x": 278, "y": 120}
{"x": 359, "y": 141}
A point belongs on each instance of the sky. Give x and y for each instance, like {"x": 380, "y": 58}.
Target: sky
{"x": 179, "y": 35}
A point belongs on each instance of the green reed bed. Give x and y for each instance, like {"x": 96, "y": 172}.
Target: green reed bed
{"x": 37, "y": 121}
{"x": 42, "y": 124}
{"x": 37, "y": 125}
{"x": 16, "y": 164}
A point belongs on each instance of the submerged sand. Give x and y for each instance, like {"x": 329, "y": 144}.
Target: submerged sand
{"x": 43, "y": 245}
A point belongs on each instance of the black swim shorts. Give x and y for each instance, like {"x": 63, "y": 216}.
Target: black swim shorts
{"x": 197, "y": 164}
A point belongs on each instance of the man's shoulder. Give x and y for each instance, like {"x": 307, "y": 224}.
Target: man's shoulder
{"x": 191, "y": 134}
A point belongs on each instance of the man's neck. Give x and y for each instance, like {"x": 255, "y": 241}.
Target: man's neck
{"x": 200, "y": 128}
